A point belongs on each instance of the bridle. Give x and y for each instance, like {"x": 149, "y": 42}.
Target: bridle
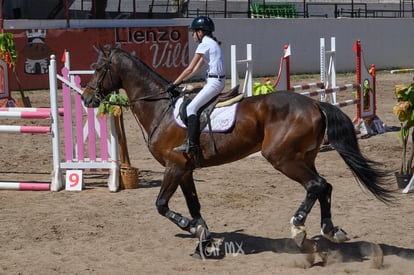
{"x": 98, "y": 96}
{"x": 106, "y": 69}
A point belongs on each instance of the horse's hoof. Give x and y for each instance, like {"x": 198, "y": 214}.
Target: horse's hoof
{"x": 298, "y": 233}
{"x": 299, "y": 238}
{"x": 199, "y": 229}
{"x": 337, "y": 235}
{"x": 200, "y": 232}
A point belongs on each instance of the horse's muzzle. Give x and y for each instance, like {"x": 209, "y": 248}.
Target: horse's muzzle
{"x": 90, "y": 98}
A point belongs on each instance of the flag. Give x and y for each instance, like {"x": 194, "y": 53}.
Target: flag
{"x": 356, "y": 46}
{"x": 287, "y": 51}
{"x": 64, "y": 56}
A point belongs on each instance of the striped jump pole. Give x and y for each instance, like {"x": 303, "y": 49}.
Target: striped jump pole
{"x": 308, "y": 86}
{"x": 24, "y": 186}
{"x": 29, "y": 109}
{"x": 24, "y": 129}
{"x": 402, "y": 71}
{"x": 332, "y": 90}
{"x": 25, "y": 113}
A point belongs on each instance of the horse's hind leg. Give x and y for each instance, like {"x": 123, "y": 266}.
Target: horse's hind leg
{"x": 318, "y": 189}
{"x": 304, "y": 172}
{"x": 334, "y": 234}
{"x": 315, "y": 188}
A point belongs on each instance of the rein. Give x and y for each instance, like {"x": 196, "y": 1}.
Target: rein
{"x": 153, "y": 97}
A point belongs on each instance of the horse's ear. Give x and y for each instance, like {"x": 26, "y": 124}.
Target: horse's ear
{"x": 104, "y": 50}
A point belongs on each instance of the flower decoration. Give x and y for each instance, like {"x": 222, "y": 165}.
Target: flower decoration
{"x": 404, "y": 110}
{"x": 112, "y": 104}
{"x": 263, "y": 88}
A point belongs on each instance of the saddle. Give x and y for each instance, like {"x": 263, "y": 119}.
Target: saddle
{"x": 221, "y": 100}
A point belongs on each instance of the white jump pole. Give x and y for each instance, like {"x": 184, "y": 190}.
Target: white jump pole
{"x": 328, "y": 70}
{"x": 248, "y": 78}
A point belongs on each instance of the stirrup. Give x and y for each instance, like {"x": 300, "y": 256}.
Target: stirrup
{"x": 187, "y": 147}
{"x": 184, "y": 148}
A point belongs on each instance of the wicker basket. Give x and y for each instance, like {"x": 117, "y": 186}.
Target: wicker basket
{"x": 129, "y": 177}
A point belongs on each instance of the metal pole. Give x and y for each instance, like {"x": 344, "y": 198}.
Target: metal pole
{"x": 134, "y": 9}
{"x": 304, "y": 8}
{"x": 67, "y": 13}
{"x": 1, "y": 16}
{"x": 352, "y": 8}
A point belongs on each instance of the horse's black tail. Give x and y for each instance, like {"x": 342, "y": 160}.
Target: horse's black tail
{"x": 341, "y": 134}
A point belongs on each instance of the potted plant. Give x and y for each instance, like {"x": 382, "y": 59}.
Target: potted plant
{"x": 404, "y": 110}
{"x": 263, "y": 88}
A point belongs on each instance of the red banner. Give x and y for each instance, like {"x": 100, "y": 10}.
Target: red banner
{"x": 165, "y": 49}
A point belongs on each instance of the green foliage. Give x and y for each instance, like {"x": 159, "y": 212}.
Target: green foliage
{"x": 112, "y": 104}
{"x": 263, "y": 88}
{"x": 8, "y": 51}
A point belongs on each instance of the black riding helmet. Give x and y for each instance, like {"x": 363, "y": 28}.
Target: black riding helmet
{"x": 202, "y": 23}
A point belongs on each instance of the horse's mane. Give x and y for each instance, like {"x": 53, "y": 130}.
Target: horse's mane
{"x": 141, "y": 63}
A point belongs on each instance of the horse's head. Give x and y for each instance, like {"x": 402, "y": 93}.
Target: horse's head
{"x": 103, "y": 81}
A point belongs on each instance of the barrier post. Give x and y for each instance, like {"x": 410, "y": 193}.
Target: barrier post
{"x": 57, "y": 182}
{"x": 365, "y": 110}
{"x": 328, "y": 69}
{"x": 282, "y": 82}
{"x": 248, "y": 78}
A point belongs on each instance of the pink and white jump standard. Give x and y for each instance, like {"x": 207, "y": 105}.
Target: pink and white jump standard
{"x": 25, "y": 113}
{"x": 89, "y": 142}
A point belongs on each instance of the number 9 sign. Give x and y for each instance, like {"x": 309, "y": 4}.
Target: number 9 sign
{"x": 74, "y": 180}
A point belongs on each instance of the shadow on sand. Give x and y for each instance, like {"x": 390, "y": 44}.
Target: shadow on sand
{"x": 358, "y": 251}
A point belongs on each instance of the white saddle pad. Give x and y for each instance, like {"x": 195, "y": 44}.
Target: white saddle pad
{"x": 222, "y": 119}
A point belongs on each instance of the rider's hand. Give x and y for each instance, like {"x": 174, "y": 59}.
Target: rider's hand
{"x": 171, "y": 87}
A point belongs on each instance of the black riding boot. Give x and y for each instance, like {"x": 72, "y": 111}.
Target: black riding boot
{"x": 191, "y": 144}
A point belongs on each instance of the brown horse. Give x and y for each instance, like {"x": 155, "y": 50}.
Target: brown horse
{"x": 286, "y": 127}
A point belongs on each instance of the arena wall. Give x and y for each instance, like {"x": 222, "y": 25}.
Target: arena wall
{"x": 386, "y": 42}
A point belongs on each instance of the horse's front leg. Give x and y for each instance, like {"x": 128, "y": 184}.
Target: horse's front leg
{"x": 172, "y": 178}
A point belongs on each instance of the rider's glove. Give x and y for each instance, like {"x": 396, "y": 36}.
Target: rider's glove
{"x": 171, "y": 87}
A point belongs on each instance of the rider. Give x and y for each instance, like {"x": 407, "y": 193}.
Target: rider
{"x": 208, "y": 51}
